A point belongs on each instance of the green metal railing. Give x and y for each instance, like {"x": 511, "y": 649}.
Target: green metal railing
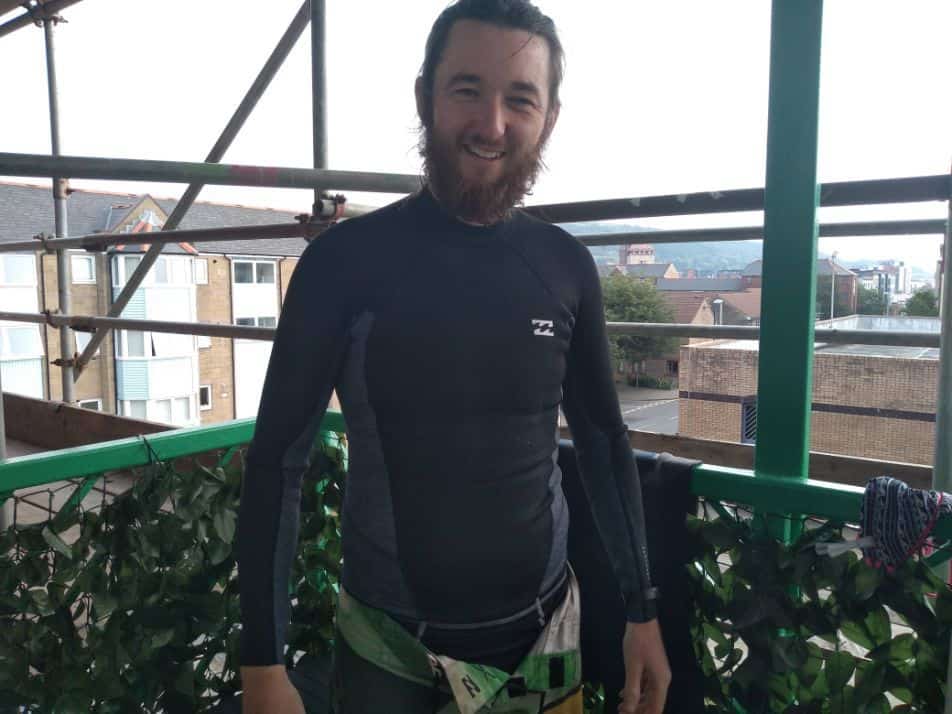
{"x": 773, "y": 494}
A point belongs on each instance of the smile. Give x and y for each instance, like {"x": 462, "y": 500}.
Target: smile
{"x": 482, "y": 153}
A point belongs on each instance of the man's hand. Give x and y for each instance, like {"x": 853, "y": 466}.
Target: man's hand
{"x": 267, "y": 690}
{"x": 647, "y": 673}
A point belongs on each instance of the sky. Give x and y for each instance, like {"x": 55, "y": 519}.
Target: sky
{"x": 659, "y": 97}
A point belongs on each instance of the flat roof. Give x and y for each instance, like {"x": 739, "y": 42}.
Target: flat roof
{"x": 857, "y": 322}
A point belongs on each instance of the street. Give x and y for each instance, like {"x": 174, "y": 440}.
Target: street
{"x": 653, "y": 410}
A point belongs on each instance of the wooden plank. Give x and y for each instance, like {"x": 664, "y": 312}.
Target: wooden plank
{"x": 849, "y": 470}
{"x": 55, "y": 425}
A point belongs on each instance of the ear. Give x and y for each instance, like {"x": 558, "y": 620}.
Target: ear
{"x": 551, "y": 118}
{"x": 419, "y": 92}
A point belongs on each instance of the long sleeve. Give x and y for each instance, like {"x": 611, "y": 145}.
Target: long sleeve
{"x": 606, "y": 463}
{"x": 305, "y": 359}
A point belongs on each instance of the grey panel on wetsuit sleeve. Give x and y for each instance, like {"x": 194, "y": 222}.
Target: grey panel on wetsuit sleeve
{"x": 371, "y": 562}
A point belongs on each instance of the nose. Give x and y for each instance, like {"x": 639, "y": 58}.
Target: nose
{"x": 491, "y": 124}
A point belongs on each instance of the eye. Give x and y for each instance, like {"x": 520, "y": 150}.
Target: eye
{"x": 522, "y": 102}
{"x": 467, "y": 92}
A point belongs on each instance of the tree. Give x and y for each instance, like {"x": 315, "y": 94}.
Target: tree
{"x": 870, "y": 302}
{"x": 628, "y": 300}
{"x": 923, "y": 303}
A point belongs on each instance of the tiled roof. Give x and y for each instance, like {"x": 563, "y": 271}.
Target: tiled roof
{"x": 685, "y": 305}
{"x": 26, "y": 210}
{"x": 645, "y": 270}
{"x": 747, "y": 302}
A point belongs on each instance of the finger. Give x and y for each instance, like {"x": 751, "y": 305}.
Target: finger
{"x": 631, "y": 698}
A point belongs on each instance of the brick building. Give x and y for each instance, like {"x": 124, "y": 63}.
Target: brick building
{"x": 175, "y": 379}
{"x": 877, "y": 402}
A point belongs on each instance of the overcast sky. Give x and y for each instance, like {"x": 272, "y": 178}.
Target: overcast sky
{"x": 660, "y": 96}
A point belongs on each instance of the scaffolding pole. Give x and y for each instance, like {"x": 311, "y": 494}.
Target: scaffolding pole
{"x": 855, "y": 229}
{"x": 942, "y": 470}
{"x": 101, "y": 241}
{"x": 240, "y": 115}
{"x": 319, "y": 92}
{"x": 86, "y": 323}
{"x": 842, "y": 193}
{"x": 85, "y": 167}
{"x": 61, "y": 222}
{"x": 48, "y": 9}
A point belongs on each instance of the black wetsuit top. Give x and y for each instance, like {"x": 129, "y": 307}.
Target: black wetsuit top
{"x": 451, "y": 347}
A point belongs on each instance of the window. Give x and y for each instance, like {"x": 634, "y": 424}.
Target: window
{"x": 264, "y": 273}
{"x": 748, "y": 426}
{"x": 244, "y": 272}
{"x": 20, "y": 342}
{"x": 203, "y": 341}
{"x": 200, "y": 270}
{"x": 17, "y": 269}
{"x": 83, "y": 268}
{"x": 82, "y": 339}
{"x": 93, "y": 404}
{"x": 181, "y": 411}
{"x": 136, "y": 408}
{"x": 672, "y": 366}
{"x": 256, "y": 321}
{"x": 205, "y": 397}
{"x": 162, "y": 408}
{"x": 134, "y": 344}
{"x": 254, "y": 271}
{"x": 161, "y": 271}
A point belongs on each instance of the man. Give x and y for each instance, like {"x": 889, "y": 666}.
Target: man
{"x": 452, "y": 327}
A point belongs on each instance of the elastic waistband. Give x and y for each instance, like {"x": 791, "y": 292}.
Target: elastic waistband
{"x": 542, "y": 608}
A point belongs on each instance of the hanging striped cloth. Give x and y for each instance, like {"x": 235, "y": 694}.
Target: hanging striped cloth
{"x": 899, "y": 519}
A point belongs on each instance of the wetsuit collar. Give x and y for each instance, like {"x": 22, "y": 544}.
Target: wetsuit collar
{"x": 433, "y": 210}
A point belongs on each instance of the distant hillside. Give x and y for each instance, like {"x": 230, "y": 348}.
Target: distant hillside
{"x": 704, "y": 257}
{"x": 707, "y": 257}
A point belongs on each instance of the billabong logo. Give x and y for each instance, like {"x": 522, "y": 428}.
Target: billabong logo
{"x": 543, "y": 327}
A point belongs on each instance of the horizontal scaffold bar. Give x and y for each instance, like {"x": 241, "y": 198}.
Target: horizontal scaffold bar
{"x": 84, "y": 167}
{"x": 84, "y": 323}
{"x": 35, "y": 14}
{"x": 927, "y": 226}
{"x": 99, "y": 241}
{"x": 742, "y": 332}
{"x": 844, "y": 193}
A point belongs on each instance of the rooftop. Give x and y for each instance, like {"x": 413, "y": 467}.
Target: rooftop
{"x": 859, "y": 322}
{"x": 27, "y": 209}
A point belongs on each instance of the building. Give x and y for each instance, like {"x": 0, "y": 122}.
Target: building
{"x": 830, "y": 275}
{"x": 877, "y": 402}
{"x": 636, "y": 253}
{"x": 689, "y": 309}
{"x": 650, "y": 272}
{"x": 893, "y": 281}
{"x": 172, "y": 379}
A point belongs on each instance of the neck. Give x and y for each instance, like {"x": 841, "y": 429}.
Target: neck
{"x": 468, "y": 222}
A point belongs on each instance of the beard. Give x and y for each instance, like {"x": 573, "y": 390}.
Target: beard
{"x": 482, "y": 202}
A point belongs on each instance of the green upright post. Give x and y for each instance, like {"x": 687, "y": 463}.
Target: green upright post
{"x": 785, "y": 377}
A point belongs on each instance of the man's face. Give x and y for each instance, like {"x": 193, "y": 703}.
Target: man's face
{"x": 490, "y": 119}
